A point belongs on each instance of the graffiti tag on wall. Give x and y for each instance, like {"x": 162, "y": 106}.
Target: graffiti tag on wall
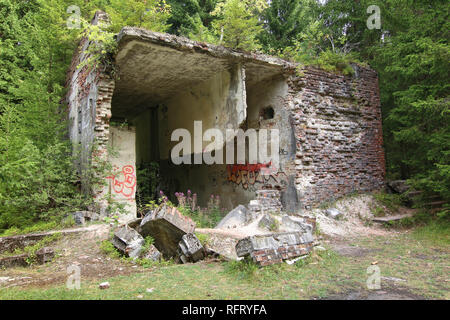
{"x": 124, "y": 182}
{"x": 251, "y": 174}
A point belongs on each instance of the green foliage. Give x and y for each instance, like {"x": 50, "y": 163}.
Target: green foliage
{"x": 237, "y": 23}
{"x": 108, "y": 249}
{"x": 413, "y": 64}
{"x": 191, "y": 17}
{"x": 203, "y": 238}
{"x": 37, "y": 178}
{"x": 391, "y": 201}
{"x": 148, "y": 179}
{"x": 284, "y": 20}
{"x": 207, "y": 217}
{"x": 148, "y": 243}
{"x": 148, "y": 14}
{"x": 243, "y": 269}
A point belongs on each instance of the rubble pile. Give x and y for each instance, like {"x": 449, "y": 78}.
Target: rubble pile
{"x": 173, "y": 235}
{"x": 272, "y": 236}
{"x": 267, "y": 234}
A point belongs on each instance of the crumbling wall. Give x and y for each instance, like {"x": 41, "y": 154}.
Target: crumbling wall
{"x": 89, "y": 107}
{"x": 338, "y": 134}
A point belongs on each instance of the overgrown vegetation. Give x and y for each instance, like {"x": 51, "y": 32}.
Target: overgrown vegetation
{"x": 108, "y": 249}
{"x": 31, "y": 250}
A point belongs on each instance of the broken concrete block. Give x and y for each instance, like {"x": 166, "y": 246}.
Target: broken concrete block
{"x": 128, "y": 241}
{"x": 78, "y": 217}
{"x": 398, "y": 186}
{"x": 237, "y": 217}
{"x": 45, "y": 255}
{"x": 333, "y": 213}
{"x": 268, "y": 222}
{"x": 135, "y": 224}
{"x": 274, "y": 248}
{"x": 191, "y": 249}
{"x": 81, "y": 217}
{"x": 152, "y": 254}
{"x": 104, "y": 285}
{"x": 167, "y": 226}
{"x": 293, "y": 223}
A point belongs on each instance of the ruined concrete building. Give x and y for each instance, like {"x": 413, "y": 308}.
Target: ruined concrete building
{"x": 330, "y": 125}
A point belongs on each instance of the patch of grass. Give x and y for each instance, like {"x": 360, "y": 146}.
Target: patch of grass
{"x": 436, "y": 232}
{"x": 390, "y": 201}
{"x": 243, "y": 269}
{"x": 378, "y": 212}
{"x": 203, "y": 238}
{"x": 39, "y": 227}
{"x": 108, "y": 248}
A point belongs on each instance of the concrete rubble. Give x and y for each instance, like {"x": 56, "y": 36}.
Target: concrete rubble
{"x": 333, "y": 213}
{"x": 80, "y": 217}
{"x": 264, "y": 232}
{"x": 191, "y": 250}
{"x": 268, "y": 234}
{"x": 41, "y": 256}
{"x": 128, "y": 241}
{"x": 274, "y": 248}
{"x": 173, "y": 235}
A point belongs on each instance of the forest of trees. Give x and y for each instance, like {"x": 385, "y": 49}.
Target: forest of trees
{"x": 410, "y": 52}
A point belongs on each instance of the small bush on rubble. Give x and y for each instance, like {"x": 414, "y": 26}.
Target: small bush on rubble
{"x": 203, "y": 217}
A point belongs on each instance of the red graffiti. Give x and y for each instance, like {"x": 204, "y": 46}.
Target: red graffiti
{"x": 127, "y": 185}
{"x": 250, "y": 174}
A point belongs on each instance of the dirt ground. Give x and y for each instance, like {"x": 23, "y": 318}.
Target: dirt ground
{"x": 81, "y": 249}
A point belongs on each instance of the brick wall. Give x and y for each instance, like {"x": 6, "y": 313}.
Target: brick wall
{"x": 337, "y": 121}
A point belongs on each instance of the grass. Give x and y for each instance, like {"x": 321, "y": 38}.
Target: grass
{"x": 40, "y": 226}
{"x": 198, "y": 281}
{"x": 436, "y": 233}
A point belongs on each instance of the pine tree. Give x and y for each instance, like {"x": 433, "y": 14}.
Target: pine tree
{"x": 284, "y": 20}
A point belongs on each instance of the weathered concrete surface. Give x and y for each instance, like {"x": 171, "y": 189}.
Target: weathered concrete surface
{"x": 333, "y": 213}
{"x": 191, "y": 250}
{"x": 166, "y": 226}
{"x": 142, "y": 53}
{"x": 128, "y": 241}
{"x": 152, "y": 253}
{"x": 81, "y": 217}
{"x": 274, "y": 248}
{"x": 298, "y": 223}
{"x": 237, "y": 217}
{"x": 42, "y": 256}
{"x": 123, "y": 180}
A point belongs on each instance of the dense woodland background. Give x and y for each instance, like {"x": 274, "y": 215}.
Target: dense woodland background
{"x": 410, "y": 52}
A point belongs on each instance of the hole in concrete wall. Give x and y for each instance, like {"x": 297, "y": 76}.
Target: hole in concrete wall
{"x": 267, "y": 113}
